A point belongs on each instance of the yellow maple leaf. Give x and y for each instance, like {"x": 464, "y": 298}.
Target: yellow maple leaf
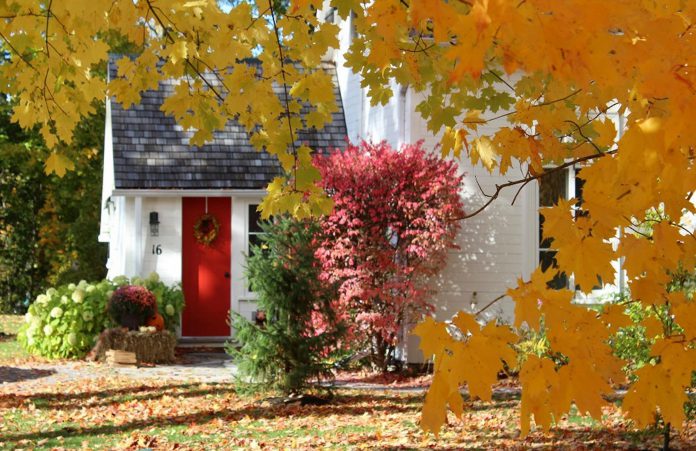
{"x": 528, "y": 296}
{"x": 685, "y": 314}
{"x": 540, "y": 390}
{"x": 662, "y": 386}
{"x": 447, "y": 141}
{"x": 653, "y": 326}
{"x": 482, "y": 150}
{"x": 483, "y": 359}
{"x": 585, "y": 386}
{"x": 606, "y": 132}
{"x": 59, "y": 164}
{"x": 614, "y": 316}
{"x": 433, "y": 336}
{"x": 476, "y": 361}
{"x": 466, "y": 322}
{"x": 648, "y": 290}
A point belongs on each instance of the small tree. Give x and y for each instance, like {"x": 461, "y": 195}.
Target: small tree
{"x": 394, "y": 219}
{"x": 299, "y": 332}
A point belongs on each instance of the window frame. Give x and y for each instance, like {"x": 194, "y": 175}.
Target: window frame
{"x": 571, "y": 191}
{"x": 247, "y": 294}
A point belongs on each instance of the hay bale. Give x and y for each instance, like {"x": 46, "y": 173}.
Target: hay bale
{"x": 148, "y": 347}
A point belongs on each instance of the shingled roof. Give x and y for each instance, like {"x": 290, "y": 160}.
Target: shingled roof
{"x": 152, "y": 152}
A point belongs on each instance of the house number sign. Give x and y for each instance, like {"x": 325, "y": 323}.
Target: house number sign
{"x": 156, "y": 249}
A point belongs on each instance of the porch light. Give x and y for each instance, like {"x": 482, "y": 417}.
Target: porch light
{"x": 154, "y": 223}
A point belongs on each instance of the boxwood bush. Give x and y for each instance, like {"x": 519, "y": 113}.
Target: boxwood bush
{"x": 65, "y": 321}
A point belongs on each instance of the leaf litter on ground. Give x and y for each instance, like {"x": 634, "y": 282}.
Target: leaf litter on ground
{"x": 115, "y": 412}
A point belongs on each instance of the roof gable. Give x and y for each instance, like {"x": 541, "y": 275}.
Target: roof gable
{"x": 151, "y": 151}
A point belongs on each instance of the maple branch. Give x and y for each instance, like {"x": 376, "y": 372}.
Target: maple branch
{"x": 261, "y": 14}
{"x": 519, "y": 190}
{"x": 171, "y": 40}
{"x": 480, "y": 187}
{"x": 650, "y": 220}
{"x": 286, "y": 100}
{"x": 582, "y": 134}
{"x": 536, "y": 105}
{"x": 525, "y": 180}
{"x": 502, "y": 80}
{"x": 14, "y": 49}
{"x": 487, "y": 306}
{"x": 637, "y": 232}
{"x": 48, "y": 17}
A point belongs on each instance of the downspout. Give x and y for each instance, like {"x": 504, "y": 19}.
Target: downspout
{"x": 108, "y": 181}
{"x": 403, "y": 90}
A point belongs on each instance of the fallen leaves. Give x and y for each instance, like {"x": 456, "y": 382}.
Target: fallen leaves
{"x": 124, "y": 413}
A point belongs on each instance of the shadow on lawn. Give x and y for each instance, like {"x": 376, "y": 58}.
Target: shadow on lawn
{"x": 342, "y": 405}
{"x": 558, "y": 438}
{"x": 13, "y": 374}
{"x": 106, "y": 397}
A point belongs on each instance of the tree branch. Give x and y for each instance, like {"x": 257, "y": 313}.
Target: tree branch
{"x": 285, "y": 86}
{"x": 524, "y": 181}
{"x": 171, "y": 40}
{"x": 490, "y": 304}
{"x": 536, "y": 105}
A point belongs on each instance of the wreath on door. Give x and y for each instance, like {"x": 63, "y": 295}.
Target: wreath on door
{"x": 206, "y": 229}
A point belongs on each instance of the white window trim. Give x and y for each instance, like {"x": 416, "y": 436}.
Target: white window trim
{"x": 595, "y": 296}
{"x": 240, "y": 244}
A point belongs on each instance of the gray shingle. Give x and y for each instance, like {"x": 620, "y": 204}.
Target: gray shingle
{"x": 152, "y": 152}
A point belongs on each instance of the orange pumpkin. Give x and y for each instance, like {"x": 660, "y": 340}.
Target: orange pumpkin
{"x": 157, "y": 322}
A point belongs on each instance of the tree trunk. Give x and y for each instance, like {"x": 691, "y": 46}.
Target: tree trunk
{"x": 379, "y": 353}
{"x": 665, "y": 444}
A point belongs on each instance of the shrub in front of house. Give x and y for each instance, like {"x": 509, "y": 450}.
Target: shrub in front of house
{"x": 65, "y": 321}
{"x": 132, "y": 305}
{"x": 298, "y": 339}
{"x": 170, "y": 299}
{"x": 395, "y": 218}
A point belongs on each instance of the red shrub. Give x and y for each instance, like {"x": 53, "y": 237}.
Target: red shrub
{"x": 395, "y": 217}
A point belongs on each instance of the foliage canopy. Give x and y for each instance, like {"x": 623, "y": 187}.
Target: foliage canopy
{"x": 555, "y": 68}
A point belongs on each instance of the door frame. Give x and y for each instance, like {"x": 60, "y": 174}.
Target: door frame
{"x": 240, "y": 241}
{"x": 216, "y": 338}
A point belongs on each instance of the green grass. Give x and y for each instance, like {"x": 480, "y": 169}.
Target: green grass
{"x": 9, "y": 324}
{"x": 120, "y": 413}
{"x": 9, "y": 348}
{"x": 576, "y": 419}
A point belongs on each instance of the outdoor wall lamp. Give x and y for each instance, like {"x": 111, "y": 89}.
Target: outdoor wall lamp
{"x": 154, "y": 223}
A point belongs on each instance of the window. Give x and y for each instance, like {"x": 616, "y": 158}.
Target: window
{"x": 551, "y": 187}
{"x": 254, "y": 230}
{"x": 254, "y": 234}
{"x": 563, "y": 184}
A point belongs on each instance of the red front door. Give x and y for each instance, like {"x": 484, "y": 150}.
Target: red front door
{"x": 206, "y": 270}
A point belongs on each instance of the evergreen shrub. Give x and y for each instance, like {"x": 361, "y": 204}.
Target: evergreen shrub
{"x": 300, "y": 338}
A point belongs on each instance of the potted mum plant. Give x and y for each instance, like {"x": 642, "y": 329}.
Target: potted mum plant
{"x": 131, "y": 306}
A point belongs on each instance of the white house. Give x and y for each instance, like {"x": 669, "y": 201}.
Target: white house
{"x": 497, "y": 246}
{"x": 156, "y": 188}
{"x": 152, "y": 176}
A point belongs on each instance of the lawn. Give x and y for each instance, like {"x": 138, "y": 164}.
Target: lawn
{"x": 124, "y": 413}
{"x": 9, "y": 348}
{"x": 127, "y": 414}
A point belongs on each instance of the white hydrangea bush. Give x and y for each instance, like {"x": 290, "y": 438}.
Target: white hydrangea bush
{"x": 65, "y": 321}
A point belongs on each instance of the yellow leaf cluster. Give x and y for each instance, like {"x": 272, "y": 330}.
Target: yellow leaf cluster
{"x": 662, "y": 387}
{"x": 465, "y": 353}
{"x": 606, "y": 86}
